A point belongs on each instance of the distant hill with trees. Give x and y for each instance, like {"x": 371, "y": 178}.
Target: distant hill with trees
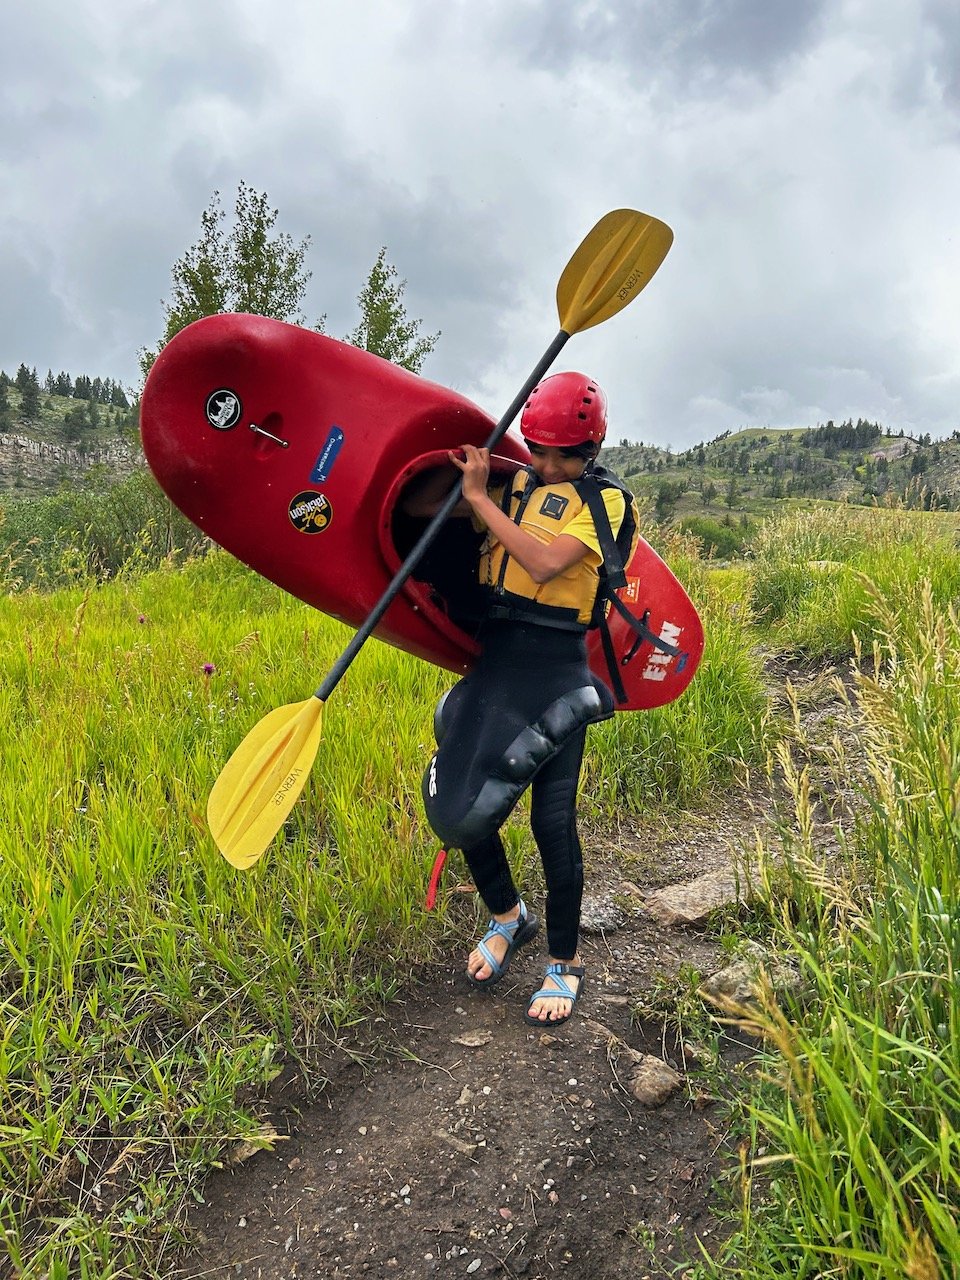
{"x": 63, "y": 429}
{"x": 719, "y": 489}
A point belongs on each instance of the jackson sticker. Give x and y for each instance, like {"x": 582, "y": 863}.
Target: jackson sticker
{"x": 223, "y": 409}
{"x": 310, "y": 512}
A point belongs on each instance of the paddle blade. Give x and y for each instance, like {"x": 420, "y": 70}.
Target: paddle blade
{"x": 614, "y": 262}
{"x": 259, "y": 784}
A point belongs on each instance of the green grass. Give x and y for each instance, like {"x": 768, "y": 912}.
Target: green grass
{"x": 146, "y": 986}
{"x": 81, "y": 534}
{"x": 144, "y": 982}
{"x": 817, "y": 573}
{"x": 853, "y": 1166}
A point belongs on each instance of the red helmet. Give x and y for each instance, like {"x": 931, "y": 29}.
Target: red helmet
{"x": 565, "y": 410}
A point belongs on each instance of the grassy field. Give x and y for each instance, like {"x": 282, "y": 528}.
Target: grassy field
{"x": 145, "y": 984}
{"x": 851, "y": 1164}
{"x": 147, "y": 988}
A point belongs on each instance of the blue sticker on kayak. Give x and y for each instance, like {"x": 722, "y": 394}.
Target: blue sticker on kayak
{"x": 328, "y": 456}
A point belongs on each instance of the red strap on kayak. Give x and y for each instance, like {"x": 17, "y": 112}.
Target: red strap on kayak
{"x": 434, "y": 884}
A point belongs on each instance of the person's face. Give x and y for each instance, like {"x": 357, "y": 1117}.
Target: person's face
{"x": 555, "y": 466}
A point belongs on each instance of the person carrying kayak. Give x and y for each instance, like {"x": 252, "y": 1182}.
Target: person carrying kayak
{"x": 519, "y": 718}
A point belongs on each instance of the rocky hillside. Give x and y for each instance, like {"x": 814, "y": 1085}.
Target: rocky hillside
{"x": 61, "y": 441}
{"x": 31, "y": 467}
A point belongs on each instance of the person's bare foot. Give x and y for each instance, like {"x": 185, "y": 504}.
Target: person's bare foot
{"x": 478, "y": 967}
{"x": 500, "y": 941}
{"x": 547, "y": 1008}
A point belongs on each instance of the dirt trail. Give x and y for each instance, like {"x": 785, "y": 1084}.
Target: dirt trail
{"x": 470, "y": 1143}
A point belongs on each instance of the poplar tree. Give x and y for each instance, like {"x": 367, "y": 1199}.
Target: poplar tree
{"x": 243, "y": 265}
{"x": 385, "y": 328}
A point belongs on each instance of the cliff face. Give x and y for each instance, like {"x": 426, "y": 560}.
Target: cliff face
{"x": 30, "y": 467}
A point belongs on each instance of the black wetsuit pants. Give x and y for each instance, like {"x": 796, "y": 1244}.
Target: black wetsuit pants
{"x": 553, "y": 821}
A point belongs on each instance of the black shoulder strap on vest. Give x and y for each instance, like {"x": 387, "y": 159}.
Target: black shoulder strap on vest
{"x": 510, "y": 488}
{"x": 612, "y": 575}
{"x": 611, "y": 571}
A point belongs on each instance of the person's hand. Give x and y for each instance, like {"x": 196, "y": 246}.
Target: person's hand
{"x": 474, "y": 463}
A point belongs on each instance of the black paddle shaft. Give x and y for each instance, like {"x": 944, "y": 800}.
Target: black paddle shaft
{"x": 339, "y": 668}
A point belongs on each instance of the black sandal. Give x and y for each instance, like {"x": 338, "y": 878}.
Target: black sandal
{"x": 517, "y": 933}
{"x": 559, "y": 973}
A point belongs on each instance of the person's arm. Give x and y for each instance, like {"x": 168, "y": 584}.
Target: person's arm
{"x": 542, "y": 561}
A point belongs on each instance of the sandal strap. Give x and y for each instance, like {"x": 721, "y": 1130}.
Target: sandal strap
{"x": 565, "y": 992}
{"x": 501, "y": 929}
{"x": 490, "y": 958}
{"x": 506, "y": 928}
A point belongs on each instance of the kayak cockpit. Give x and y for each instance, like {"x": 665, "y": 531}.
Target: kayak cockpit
{"x": 444, "y": 585}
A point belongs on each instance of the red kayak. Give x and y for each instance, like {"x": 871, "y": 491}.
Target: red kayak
{"x": 292, "y": 451}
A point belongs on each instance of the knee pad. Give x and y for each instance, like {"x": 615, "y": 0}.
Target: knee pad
{"x": 461, "y": 822}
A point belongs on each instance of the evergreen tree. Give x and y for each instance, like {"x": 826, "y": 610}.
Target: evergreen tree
{"x": 6, "y": 414}
{"x": 28, "y": 384}
{"x": 63, "y": 384}
{"x": 246, "y": 267}
{"x": 384, "y": 327}
{"x": 74, "y": 423}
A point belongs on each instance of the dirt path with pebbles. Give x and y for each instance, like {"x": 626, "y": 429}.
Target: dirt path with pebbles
{"x": 468, "y": 1143}
{"x": 465, "y": 1142}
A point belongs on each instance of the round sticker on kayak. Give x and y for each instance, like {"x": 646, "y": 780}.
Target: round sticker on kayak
{"x": 223, "y": 409}
{"x": 310, "y": 512}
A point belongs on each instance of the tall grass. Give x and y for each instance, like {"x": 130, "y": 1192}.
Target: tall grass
{"x": 87, "y": 533}
{"x": 814, "y": 572}
{"x": 143, "y": 982}
{"x": 145, "y": 985}
{"x": 669, "y": 758}
{"x": 859, "y": 1106}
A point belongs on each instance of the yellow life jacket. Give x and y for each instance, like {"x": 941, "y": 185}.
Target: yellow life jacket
{"x": 545, "y": 511}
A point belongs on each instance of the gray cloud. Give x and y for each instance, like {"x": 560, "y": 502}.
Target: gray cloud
{"x": 805, "y": 155}
{"x": 702, "y": 43}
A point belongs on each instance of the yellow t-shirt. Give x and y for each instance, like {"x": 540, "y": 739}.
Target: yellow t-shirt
{"x": 581, "y": 526}
{"x": 576, "y": 587}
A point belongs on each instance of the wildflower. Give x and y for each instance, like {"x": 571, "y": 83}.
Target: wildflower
{"x": 209, "y": 669}
{"x": 142, "y": 619}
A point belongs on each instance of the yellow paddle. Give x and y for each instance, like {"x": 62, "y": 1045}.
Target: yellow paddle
{"x": 262, "y": 779}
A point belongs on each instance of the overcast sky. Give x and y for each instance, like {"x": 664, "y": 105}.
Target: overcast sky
{"x": 806, "y": 154}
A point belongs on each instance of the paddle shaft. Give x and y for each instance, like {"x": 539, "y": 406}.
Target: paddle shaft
{"x": 339, "y": 668}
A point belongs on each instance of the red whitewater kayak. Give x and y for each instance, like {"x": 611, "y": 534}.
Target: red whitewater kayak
{"x": 292, "y": 451}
